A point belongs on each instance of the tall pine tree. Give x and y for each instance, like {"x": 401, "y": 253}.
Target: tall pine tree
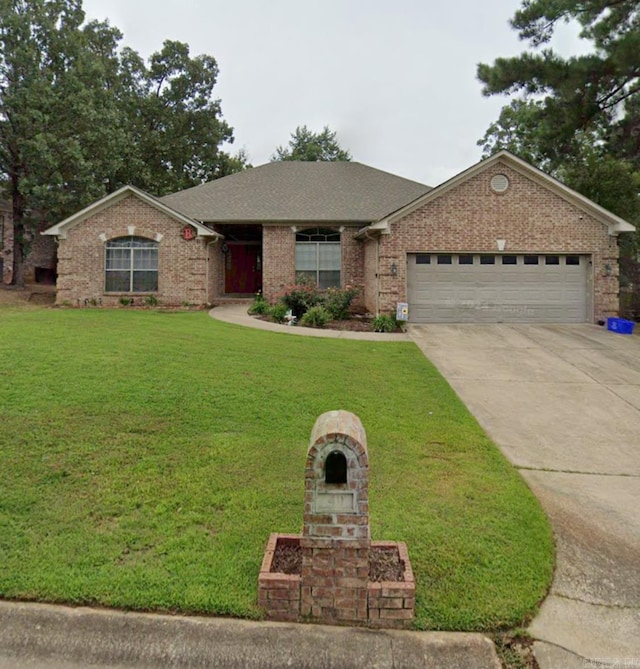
{"x": 578, "y": 117}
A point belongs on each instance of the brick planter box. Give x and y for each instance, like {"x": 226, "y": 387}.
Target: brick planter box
{"x": 279, "y": 594}
{"x": 390, "y": 604}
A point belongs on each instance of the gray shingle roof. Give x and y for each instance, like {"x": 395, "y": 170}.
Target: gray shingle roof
{"x": 299, "y": 191}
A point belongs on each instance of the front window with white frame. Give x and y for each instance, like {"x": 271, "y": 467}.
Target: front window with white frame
{"x": 131, "y": 265}
{"x": 319, "y": 256}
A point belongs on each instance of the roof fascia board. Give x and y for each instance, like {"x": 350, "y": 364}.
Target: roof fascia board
{"x": 376, "y": 229}
{"x": 60, "y": 229}
{"x": 614, "y": 223}
{"x": 288, "y": 221}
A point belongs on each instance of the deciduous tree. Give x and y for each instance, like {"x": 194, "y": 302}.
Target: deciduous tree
{"x": 79, "y": 117}
{"x": 310, "y": 146}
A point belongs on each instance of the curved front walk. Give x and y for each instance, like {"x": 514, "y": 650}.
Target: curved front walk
{"x": 563, "y": 404}
{"x": 237, "y": 313}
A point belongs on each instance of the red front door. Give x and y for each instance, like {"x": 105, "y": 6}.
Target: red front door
{"x": 243, "y": 268}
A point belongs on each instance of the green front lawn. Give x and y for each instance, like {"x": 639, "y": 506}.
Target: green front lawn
{"x": 145, "y": 457}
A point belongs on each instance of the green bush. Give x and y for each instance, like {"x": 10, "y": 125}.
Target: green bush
{"x": 384, "y": 323}
{"x": 316, "y": 317}
{"x": 126, "y": 301}
{"x": 338, "y": 300}
{"x": 301, "y": 297}
{"x": 259, "y": 306}
{"x": 151, "y": 301}
{"x": 278, "y": 312}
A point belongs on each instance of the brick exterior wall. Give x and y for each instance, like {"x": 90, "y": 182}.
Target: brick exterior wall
{"x": 352, "y": 260}
{"x": 42, "y": 256}
{"x": 471, "y": 217}
{"x": 278, "y": 259}
{"x": 41, "y": 252}
{"x": 182, "y": 266}
{"x": 370, "y": 279}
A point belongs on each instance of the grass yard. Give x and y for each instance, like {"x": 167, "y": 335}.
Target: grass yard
{"x": 145, "y": 457}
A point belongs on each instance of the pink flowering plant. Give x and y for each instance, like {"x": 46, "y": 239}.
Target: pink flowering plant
{"x": 305, "y": 295}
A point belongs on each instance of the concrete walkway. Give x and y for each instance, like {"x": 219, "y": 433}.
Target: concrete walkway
{"x": 563, "y": 404}
{"x": 237, "y": 314}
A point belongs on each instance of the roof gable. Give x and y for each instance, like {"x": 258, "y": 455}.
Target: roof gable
{"x": 613, "y": 222}
{"x": 295, "y": 191}
{"x": 60, "y": 229}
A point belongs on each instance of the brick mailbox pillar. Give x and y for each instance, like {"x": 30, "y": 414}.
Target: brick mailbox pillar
{"x": 335, "y": 539}
{"x": 333, "y": 572}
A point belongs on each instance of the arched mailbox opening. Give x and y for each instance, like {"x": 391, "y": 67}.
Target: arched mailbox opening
{"x": 335, "y": 468}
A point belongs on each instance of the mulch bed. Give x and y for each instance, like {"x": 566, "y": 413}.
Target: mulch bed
{"x": 384, "y": 563}
{"x": 355, "y": 324}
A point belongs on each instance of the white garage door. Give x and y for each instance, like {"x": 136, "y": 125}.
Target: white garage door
{"x": 484, "y": 288}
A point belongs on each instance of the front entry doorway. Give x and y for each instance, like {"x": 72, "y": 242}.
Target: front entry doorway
{"x": 242, "y": 251}
{"x": 243, "y": 268}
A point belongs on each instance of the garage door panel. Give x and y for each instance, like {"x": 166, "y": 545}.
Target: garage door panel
{"x": 494, "y": 293}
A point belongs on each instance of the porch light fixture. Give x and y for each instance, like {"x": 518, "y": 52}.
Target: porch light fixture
{"x": 394, "y": 269}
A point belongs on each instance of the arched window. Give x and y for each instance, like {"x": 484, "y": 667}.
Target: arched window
{"x": 335, "y": 468}
{"x": 131, "y": 265}
{"x": 318, "y": 256}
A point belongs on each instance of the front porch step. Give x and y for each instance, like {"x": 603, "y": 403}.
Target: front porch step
{"x": 231, "y": 299}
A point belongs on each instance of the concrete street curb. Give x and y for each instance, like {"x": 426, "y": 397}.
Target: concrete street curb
{"x": 43, "y": 635}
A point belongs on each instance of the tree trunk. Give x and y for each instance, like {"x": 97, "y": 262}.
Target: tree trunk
{"x": 18, "y": 233}
{"x": 18, "y": 257}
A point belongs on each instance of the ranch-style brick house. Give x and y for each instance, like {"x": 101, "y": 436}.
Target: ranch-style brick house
{"x": 500, "y": 242}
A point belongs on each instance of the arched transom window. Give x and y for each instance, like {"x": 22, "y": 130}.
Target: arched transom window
{"x": 131, "y": 265}
{"x": 318, "y": 256}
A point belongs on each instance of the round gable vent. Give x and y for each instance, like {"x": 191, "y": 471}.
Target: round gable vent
{"x": 499, "y": 183}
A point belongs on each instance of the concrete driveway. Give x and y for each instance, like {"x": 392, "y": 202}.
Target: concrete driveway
{"x": 563, "y": 404}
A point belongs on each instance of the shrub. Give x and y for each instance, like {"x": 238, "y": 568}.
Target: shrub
{"x": 151, "y": 301}
{"x": 338, "y": 300}
{"x": 259, "y": 306}
{"x": 316, "y": 317}
{"x": 301, "y": 297}
{"x": 278, "y": 312}
{"x": 126, "y": 301}
{"x": 384, "y": 323}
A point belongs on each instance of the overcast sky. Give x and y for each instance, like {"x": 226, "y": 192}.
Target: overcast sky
{"x": 396, "y": 79}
